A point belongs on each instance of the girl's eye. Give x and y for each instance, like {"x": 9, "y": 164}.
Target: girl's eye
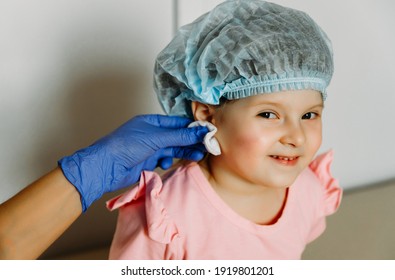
{"x": 309, "y": 116}
{"x": 267, "y": 115}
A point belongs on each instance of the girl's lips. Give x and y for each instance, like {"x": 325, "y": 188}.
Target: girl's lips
{"x": 286, "y": 160}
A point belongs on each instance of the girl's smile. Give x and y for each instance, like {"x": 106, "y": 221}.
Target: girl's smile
{"x": 286, "y": 160}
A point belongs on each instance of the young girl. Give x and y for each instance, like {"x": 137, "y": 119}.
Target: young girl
{"x": 257, "y": 73}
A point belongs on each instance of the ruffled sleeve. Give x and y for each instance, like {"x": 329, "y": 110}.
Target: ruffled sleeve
{"x": 330, "y": 195}
{"x": 127, "y": 197}
{"x": 159, "y": 225}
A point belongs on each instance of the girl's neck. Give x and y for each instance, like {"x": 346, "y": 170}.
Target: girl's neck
{"x": 259, "y": 204}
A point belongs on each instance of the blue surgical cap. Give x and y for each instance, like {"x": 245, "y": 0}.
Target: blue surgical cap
{"x": 242, "y": 48}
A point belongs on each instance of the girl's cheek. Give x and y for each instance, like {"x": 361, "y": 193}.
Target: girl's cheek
{"x": 315, "y": 136}
{"x": 250, "y": 140}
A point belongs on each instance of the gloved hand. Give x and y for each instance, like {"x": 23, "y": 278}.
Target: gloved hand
{"x": 116, "y": 160}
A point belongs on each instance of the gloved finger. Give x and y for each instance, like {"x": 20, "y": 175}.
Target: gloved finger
{"x": 182, "y": 137}
{"x": 167, "y": 121}
{"x": 165, "y": 163}
{"x": 162, "y": 158}
{"x": 131, "y": 176}
{"x": 188, "y": 153}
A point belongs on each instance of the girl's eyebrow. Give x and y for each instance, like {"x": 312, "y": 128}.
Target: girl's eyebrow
{"x": 279, "y": 104}
{"x": 271, "y": 103}
{"x": 320, "y": 105}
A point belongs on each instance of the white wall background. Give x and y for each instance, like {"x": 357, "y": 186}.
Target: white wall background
{"x": 359, "y": 121}
{"x": 71, "y": 71}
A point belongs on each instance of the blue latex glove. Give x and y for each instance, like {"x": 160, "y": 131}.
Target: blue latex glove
{"x": 116, "y": 160}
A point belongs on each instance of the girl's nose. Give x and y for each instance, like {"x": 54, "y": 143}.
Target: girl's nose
{"x": 294, "y": 134}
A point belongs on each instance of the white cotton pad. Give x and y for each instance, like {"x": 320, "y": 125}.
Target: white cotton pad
{"x": 209, "y": 141}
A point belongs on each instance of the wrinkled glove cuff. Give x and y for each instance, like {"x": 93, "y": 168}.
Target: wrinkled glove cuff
{"x": 79, "y": 170}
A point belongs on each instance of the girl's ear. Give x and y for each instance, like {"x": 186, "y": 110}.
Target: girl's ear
{"x": 202, "y": 112}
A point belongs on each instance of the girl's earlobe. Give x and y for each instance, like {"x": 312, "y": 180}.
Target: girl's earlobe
{"x": 202, "y": 112}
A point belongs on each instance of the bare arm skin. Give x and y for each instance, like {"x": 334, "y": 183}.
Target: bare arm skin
{"x": 34, "y": 218}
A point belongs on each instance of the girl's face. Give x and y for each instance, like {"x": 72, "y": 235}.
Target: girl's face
{"x": 268, "y": 139}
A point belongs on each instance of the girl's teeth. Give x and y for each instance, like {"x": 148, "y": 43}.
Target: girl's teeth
{"x": 283, "y": 158}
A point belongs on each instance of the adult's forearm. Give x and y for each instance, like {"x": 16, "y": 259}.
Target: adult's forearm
{"x": 34, "y": 218}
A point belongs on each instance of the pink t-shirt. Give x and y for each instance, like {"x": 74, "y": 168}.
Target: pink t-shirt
{"x": 180, "y": 216}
